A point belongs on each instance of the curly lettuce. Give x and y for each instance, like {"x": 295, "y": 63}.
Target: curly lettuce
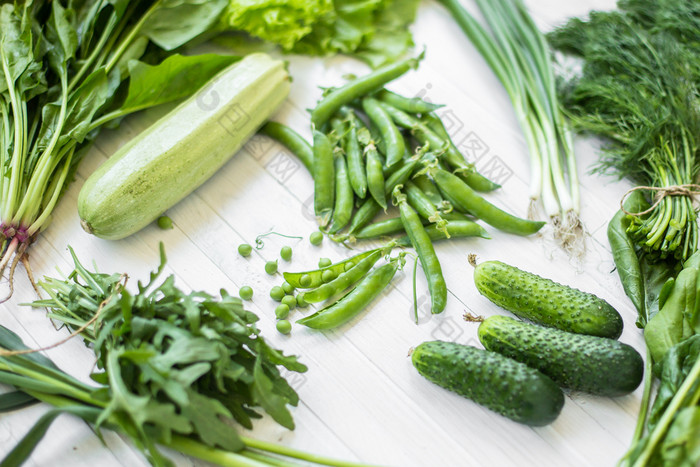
{"x": 375, "y": 31}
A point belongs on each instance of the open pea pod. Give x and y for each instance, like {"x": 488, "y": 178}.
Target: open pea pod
{"x": 352, "y": 304}
{"x": 344, "y": 280}
{"x": 313, "y": 279}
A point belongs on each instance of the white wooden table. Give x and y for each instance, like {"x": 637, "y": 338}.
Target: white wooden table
{"x": 361, "y": 398}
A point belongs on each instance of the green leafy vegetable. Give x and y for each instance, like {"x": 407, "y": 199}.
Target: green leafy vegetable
{"x": 638, "y": 88}
{"x": 373, "y": 30}
{"x": 174, "y": 369}
{"x": 66, "y": 69}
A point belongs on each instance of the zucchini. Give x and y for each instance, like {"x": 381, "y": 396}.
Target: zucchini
{"x": 546, "y": 302}
{"x": 179, "y": 152}
{"x": 499, "y": 383}
{"x": 592, "y": 364}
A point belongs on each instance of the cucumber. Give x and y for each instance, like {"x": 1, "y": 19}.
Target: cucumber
{"x": 546, "y": 302}
{"x": 175, "y": 155}
{"x": 592, "y": 364}
{"x": 499, "y": 383}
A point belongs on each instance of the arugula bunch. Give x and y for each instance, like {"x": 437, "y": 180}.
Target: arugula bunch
{"x": 639, "y": 88}
{"x": 67, "y": 68}
{"x": 175, "y": 369}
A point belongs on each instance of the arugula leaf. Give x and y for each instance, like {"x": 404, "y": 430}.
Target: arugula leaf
{"x": 175, "y": 363}
{"x": 274, "y": 404}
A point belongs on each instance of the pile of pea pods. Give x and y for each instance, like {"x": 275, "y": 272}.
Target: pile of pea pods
{"x": 373, "y": 148}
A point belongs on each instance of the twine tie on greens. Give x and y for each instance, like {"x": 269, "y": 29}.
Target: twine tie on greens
{"x": 689, "y": 190}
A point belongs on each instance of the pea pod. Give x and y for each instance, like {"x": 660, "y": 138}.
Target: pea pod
{"x": 451, "y": 154}
{"x": 313, "y": 279}
{"x": 381, "y": 229}
{"x": 414, "y": 105}
{"x": 375, "y": 176}
{"x": 292, "y": 140}
{"x": 370, "y": 207}
{"x": 456, "y": 229}
{"x": 429, "y": 188}
{"x": 424, "y": 207}
{"x": 472, "y": 178}
{"x": 344, "y": 280}
{"x": 464, "y": 198}
{"x": 342, "y": 211}
{"x": 353, "y": 153}
{"x": 357, "y": 88}
{"x": 354, "y": 301}
{"x": 426, "y": 253}
{"x": 390, "y": 134}
{"x": 324, "y": 177}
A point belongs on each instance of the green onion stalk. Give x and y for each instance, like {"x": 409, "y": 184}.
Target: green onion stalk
{"x": 64, "y": 72}
{"x": 519, "y": 55}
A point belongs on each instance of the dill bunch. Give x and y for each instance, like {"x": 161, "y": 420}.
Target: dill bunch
{"x": 638, "y": 88}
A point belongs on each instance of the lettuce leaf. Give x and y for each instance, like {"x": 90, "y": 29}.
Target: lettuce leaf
{"x": 375, "y": 31}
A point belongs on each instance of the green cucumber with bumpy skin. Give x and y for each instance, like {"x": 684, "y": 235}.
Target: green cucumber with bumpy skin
{"x": 499, "y": 383}
{"x": 179, "y": 152}
{"x": 597, "y": 365}
{"x": 546, "y": 302}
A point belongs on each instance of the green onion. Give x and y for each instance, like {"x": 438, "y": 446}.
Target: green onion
{"x": 518, "y": 54}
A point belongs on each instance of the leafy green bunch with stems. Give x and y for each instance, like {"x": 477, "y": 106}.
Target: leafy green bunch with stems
{"x": 174, "y": 369}
{"x": 638, "y": 88}
{"x": 518, "y": 53}
{"x": 69, "y": 67}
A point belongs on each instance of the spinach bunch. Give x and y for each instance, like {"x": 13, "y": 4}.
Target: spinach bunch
{"x": 669, "y": 311}
{"x": 174, "y": 368}
{"x": 67, "y": 68}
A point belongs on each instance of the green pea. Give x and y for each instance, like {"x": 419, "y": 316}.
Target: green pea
{"x": 301, "y": 303}
{"x": 282, "y": 311}
{"x": 324, "y": 262}
{"x": 284, "y": 326}
{"x": 316, "y": 238}
{"x": 305, "y": 280}
{"x": 245, "y": 292}
{"x": 271, "y": 267}
{"x": 288, "y": 288}
{"x": 290, "y": 301}
{"x": 348, "y": 265}
{"x": 165, "y": 223}
{"x": 277, "y": 293}
{"x": 328, "y": 275}
{"x": 286, "y": 253}
{"x": 244, "y": 249}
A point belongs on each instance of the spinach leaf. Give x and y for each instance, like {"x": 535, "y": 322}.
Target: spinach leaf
{"x": 174, "y": 78}
{"x": 681, "y": 446}
{"x": 176, "y": 22}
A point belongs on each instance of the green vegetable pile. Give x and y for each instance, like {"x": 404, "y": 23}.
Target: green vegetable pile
{"x": 638, "y": 88}
{"x": 375, "y": 31}
{"x": 175, "y": 369}
{"x": 69, "y": 68}
{"x": 372, "y": 147}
